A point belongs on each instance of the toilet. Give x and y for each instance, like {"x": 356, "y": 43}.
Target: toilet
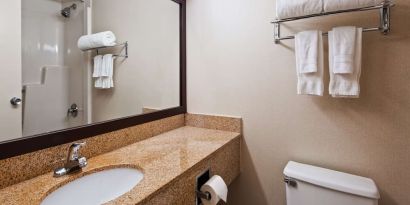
{"x": 310, "y": 185}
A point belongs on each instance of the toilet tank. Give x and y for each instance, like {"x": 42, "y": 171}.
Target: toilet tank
{"x": 310, "y": 185}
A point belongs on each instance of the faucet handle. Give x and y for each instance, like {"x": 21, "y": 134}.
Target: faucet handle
{"x": 78, "y": 144}
{"x": 82, "y": 162}
{"x": 74, "y": 163}
{"x": 73, "y": 151}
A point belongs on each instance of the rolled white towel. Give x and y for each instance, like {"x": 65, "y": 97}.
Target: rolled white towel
{"x": 106, "y": 38}
{"x": 295, "y": 8}
{"x": 336, "y": 5}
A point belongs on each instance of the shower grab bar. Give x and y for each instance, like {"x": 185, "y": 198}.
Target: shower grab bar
{"x": 384, "y": 20}
{"x": 125, "y": 45}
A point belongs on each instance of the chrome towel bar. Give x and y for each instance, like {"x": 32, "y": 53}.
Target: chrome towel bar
{"x": 125, "y": 45}
{"x": 383, "y": 28}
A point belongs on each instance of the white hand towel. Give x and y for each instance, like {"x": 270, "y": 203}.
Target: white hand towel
{"x": 105, "y": 78}
{"x": 336, "y": 5}
{"x": 108, "y": 71}
{"x": 98, "y": 60}
{"x": 106, "y": 38}
{"x": 310, "y": 75}
{"x": 307, "y": 51}
{"x": 98, "y": 83}
{"x": 343, "y": 49}
{"x": 106, "y": 65}
{"x": 346, "y": 84}
{"x": 111, "y": 72}
{"x": 294, "y": 8}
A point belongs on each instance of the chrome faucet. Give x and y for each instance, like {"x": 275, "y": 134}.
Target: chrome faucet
{"x": 74, "y": 162}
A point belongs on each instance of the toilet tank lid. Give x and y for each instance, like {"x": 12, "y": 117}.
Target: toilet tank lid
{"x": 330, "y": 179}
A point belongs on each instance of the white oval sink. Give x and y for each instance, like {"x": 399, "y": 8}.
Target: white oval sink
{"x": 96, "y": 188}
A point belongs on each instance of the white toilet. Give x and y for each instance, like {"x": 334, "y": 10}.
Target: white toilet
{"x": 309, "y": 185}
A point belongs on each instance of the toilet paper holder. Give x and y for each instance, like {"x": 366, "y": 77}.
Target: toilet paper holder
{"x": 203, "y": 195}
{"x": 201, "y": 180}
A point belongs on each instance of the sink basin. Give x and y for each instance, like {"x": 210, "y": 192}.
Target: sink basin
{"x": 96, "y": 188}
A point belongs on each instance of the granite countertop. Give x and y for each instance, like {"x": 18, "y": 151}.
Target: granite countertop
{"x": 162, "y": 159}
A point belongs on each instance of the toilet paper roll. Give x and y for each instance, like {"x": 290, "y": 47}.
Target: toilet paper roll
{"x": 217, "y": 188}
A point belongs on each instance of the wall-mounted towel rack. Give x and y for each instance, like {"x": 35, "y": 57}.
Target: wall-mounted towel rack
{"x": 384, "y": 26}
{"x": 125, "y": 45}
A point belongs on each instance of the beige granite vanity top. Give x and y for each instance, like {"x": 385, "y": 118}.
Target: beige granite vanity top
{"x": 162, "y": 159}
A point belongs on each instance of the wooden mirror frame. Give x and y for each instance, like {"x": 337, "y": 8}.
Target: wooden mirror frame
{"x": 33, "y": 143}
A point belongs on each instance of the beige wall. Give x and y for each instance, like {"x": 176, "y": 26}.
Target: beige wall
{"x": 234, "y": 68}
{"x": 149, "y": 78}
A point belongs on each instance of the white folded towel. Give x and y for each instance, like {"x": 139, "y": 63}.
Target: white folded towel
{"x": 104, "y": 71}
{"x": 98, "y": 83}
{"x": 307, "y": 51}
{"x": 106, "y": 79}
{"x": 294, "y": 8}
{"x": 109, "y": 65}
{"x": 346, "y": 84}
{"x": 335, "y": 5}
{"x": 309, "y": 63}
{"x": 98, "y": 60}
{"x": 343, "y": 49}
{"x": 106, "y": 65}
{"x": 106, "y": 38}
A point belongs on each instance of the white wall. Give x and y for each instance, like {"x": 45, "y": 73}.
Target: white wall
{"x": 149, "y": 78}
{"x": 10, "y": 78}
{"x": 234, "y": 68}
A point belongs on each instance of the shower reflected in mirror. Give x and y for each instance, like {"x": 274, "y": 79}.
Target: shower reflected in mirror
{"x": 58, "y": 88}
{"x": 66, "y": 12}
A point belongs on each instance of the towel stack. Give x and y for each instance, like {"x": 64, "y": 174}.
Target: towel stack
{"x": 103, "y": 65}
{"x": 103, "y": 71}
{"x": 345, "y": 55}
{"x": 295, "y": 8}
{"x": 336, "y": 5}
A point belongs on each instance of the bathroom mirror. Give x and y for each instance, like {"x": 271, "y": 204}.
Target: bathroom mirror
{"x": 56, "y": 91}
